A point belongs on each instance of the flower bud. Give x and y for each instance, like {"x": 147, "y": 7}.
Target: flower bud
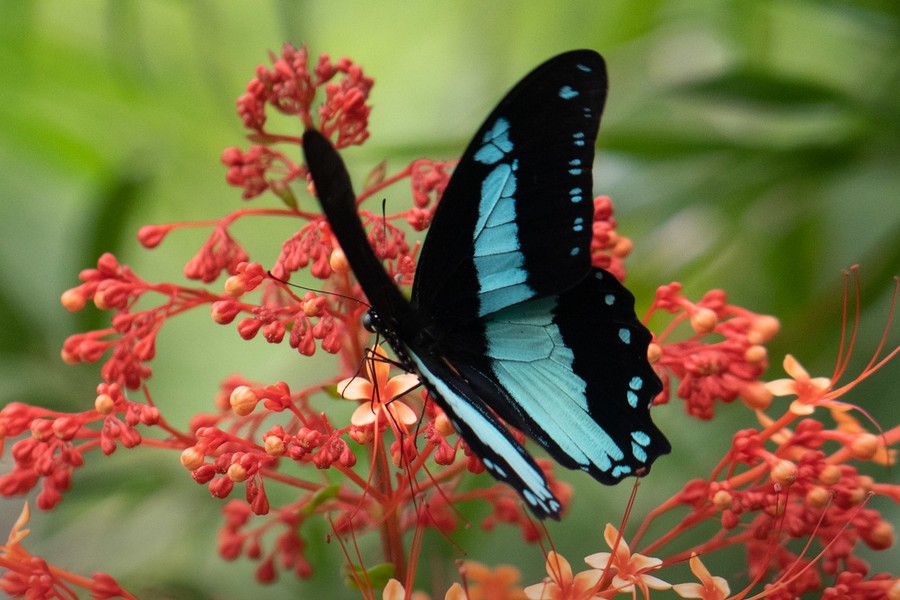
{"x": 830, "y": 474}
{"x": 224, "y": 311}
{"x": 104, "y": 404}
{"x": 192, "y": 458}
{"x": 443, "y": 425}
{"x": 882, "y": 536}
{"x": 220, "y": 487}
{"x": 338, "y": 262}
{"x": 237, "y": 473}
{"x": 243, "y": 401}
{"x": 234, "y": 286}
{"x": 756, "y": 395}
{"x": 703, "y": 320}
{"x": 274, "y": 445}
{"x": 756, "y": 354}
{"x": 817, "y": 496}
{"x": 722, "y": 499}
{"x": 73, "y": 299}
{"x": 150, "y": 236}
{"x": 784, "y": 473}
{"x": 654, "y": 353}
{"x": 763, "y": 328}
{"x": 864, "y": 446}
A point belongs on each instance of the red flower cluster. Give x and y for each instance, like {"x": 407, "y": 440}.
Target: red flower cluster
{"x": 708, "y": 370}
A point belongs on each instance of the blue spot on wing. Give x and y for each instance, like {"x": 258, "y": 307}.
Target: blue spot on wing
{"x": 625, "y": 335}
{"x": 632, "y": 399}
{"x": 639, "y": 453}
{"x": 567, "y": 93}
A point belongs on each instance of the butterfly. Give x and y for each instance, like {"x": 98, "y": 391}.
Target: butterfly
{"x": 508, "y": 322}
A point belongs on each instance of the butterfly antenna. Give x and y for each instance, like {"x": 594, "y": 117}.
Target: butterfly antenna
{"x": 318, "y": 290}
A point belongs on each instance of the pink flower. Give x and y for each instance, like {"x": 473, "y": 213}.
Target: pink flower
{"x": 810, "y": 391}
{"x": 630, "y": 569}
{"x": 380, "y": 394}
{"x": 562, "y": 584}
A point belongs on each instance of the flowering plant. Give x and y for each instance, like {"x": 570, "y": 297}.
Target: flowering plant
{"x": 788, "y": 491}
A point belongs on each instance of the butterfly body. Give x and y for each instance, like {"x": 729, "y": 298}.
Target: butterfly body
{"x": 507, "y": 317}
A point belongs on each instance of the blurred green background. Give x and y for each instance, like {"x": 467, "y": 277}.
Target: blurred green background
{"x": 749, "y": 146}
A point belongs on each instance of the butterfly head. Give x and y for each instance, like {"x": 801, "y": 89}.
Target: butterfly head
{"x": 371, "y": 322}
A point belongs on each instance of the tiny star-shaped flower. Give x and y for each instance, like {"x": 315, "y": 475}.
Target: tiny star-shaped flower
{"x": 394, "y": 590}
{"x": 630, "y": 569}
{"x": 562, "y": 584}
{"x": 378, "y": 393}
{"x": 809, "y": 390}
{"x": 711, "y": 587}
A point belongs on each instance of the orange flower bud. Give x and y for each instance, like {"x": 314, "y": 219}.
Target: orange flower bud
{"x": 784, "y": 473}
{"x": 192, "y": 458}
{"x": 234, "y": 286}
{"x": 763, "y": 328}
{"x": 703, "y": 320}
{"x": 237, "y": 473}
{"x": 654, "y": 353}
{"x": 864, "y": 446}
{"x": 830, "y": 474}
{"x": 338, "y": 262}
{"x": 756, "y": 355}
{"x": 73, "y": 300}
{"x": 622, "y": 246}
{"x": 104, "y": 404}
{"x": 756, "y": 396}
{"x": 443, "y": 425}
{"x": 722, "y": 499}
{"x": 274, "y": 446}
{"x": 100, "y": 300}
{"x": 817, "y": 496}
{"x": 243, "y": 401}
{"x": 882, "y": 536}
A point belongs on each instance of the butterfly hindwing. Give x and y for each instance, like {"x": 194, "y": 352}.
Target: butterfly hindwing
{"x": 499, "y": 451}
{"x": 573, "y": 374}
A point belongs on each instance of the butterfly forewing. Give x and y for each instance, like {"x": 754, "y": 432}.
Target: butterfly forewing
{"x": 515, "y": 220}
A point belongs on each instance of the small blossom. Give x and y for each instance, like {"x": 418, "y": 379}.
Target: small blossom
{"x": 630, "y": 569}
{"x": 489, "y": 584}
{"x": 711, "y": 587}
{"x": 562, "y": 584}
{"x": 809, "y": 391}
{"x": 378, "y": 393}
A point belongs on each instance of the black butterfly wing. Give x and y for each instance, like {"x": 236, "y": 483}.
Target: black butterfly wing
{"x": 335, "y": 193}
{"x": 571, "y": 371}
{"x": 550, "y": 344}
{"x": 486, "y": 435}
{"x": 515, "y": 220}
{"x": 502, "y": 455}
